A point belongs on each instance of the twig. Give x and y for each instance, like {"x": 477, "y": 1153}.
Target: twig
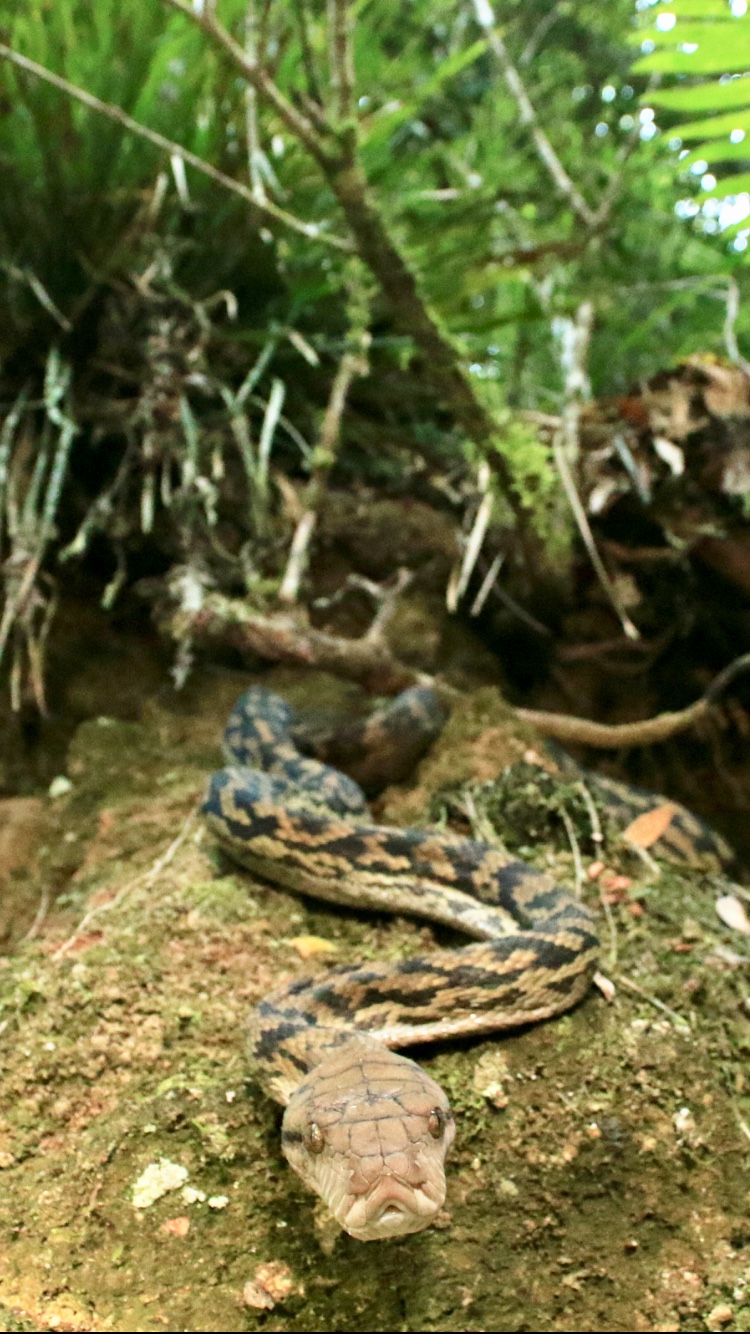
{"x": 487, "y": 584}
{"x": 39, "y": 916}
{"x": 28, "y": 277}
{"x": 539, "y": 33}
{"x": 597, "y": 836}
{"x": 584, "y": 529}
{"x": 585, "y": 732}
{"x": 647, "y": 732}
{"x": 652, "y": 1000}
{"x": 272, "y": 211}
{"x": 459, "y": 580}
{"x": 389, "y": 597}
{"x": 565, "y": 445}
{"x": 341, "y": 61}
{"x": 528, "y": 117}
{"x": 308, "y": 60}
{"x": 730, "y": 322}
{"x": 611, "y": 927}
{"x": 283, "y": 638}
{"x": 520, "y": 611}
{"x": 575, "y": 849}
{"x": 251, "y": 113}
{"x": 334, "y": 149}
{"x": 296, "y": 122}
{"x": 353, "y": 364}
{"x": 146, "y": 879}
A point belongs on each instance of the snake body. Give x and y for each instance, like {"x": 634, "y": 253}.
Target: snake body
{"x": 364, "y": 1127}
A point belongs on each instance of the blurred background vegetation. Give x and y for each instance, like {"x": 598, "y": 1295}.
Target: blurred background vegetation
{"x": 168, "y": 344}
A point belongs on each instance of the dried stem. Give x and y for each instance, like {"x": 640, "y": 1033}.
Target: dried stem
{"x": 565, "y": 446}
{"x": 352, "y": 365}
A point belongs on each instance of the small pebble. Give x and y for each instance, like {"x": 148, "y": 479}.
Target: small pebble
{"x": 720, "y": 1316}
{"x": 507, "y": 1189}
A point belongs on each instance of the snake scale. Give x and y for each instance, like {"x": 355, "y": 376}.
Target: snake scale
{"x": 367, "y": 1129}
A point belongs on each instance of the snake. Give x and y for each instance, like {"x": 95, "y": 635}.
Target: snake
{"x": 365, "y": 1127}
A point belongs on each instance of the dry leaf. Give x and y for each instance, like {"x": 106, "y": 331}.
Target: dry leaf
{"x": 647, "y": 828}
{"x": 176, "y": 1227}
{"x": 307, "y": 946}
{"x": 733, "y": 913}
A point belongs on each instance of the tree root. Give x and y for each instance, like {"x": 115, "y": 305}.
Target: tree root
{"x": 283, "y": 637}
{"x": 287, "y": 638}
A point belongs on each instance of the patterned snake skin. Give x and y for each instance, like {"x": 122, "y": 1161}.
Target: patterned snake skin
{"x": 365, "y": 1128}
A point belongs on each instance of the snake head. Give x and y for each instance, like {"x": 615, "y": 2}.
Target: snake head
{"x": 369, "y": 1132}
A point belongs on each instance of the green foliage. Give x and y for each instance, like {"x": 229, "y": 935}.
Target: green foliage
{"x": 211, "y": 333}
{"x": 706, "y": 37}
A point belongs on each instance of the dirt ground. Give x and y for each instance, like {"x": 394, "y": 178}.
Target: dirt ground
{"x": 599, "y": 1178}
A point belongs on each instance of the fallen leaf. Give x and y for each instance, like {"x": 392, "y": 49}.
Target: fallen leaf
{"x": 307, "y": 946}
{"x": 176, "y": 1227}
{"x": 733, "y": 913}
{"x": 647, "y": 828}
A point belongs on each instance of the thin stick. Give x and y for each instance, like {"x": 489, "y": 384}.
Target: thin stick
{"x": 584, "y": 529}
{"x": 652, "y": 1000}
{"x": 40, "y": 915}
{"x": 730, "y": 332}
{"x": 341, "y": 58}
{"x": 146, "y": 879}
{"x": 528, "y": 117}
{"x": 270, "y": 210}
{"x": 459, "y": 581}
{"x": 487, "y": 584}
{"x": 611, "y": 927}
{"x": 575, "y": 848}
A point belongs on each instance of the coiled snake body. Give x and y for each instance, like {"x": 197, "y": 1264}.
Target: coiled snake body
{"x": 365, "y": 1128}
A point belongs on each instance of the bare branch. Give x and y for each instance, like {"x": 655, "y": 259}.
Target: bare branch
{"x": 565, "y": 445}
{"x": 648, "y": 732}
{"x": 296, "y": 122}
{"x": 340, "y": 58}
{"x": 528, "y": 117}
{"x": 730, "y": 322}
{"x": 308, "y": 60}
{"x": 352, "y": 365}
{"x": 283, "y": 638}
{"x": 309, "y": 229}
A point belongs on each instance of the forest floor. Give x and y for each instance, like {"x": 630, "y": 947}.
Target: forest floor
{"x": 599, "y": 1179}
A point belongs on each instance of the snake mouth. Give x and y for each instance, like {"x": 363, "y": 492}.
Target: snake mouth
{"x": 370, "y": 1219}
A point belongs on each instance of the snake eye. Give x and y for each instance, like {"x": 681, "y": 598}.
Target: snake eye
{"x": 314, "y": 1139}
{"x": 436, "y": 1122}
